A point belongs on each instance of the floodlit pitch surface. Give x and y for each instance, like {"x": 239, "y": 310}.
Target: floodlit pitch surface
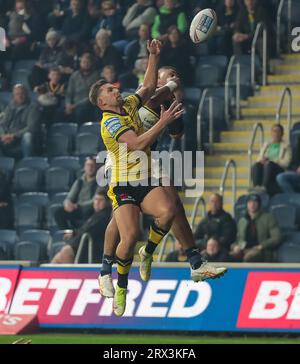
{"x": 144, "y": 339}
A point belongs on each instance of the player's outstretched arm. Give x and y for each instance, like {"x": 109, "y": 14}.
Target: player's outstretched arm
{"x": 142, "y": 142}
{"x": 151, "y": 75}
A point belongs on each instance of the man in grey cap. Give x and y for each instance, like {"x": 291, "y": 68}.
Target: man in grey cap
{"x": 258, "y": 234}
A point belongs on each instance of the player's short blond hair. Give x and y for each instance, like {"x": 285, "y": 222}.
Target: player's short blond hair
{"x": 95, "y": 91}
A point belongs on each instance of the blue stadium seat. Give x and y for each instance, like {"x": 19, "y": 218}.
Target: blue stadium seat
{"x": 291, "y": 199}
{"x": 9, "y": 236}
{"x": 59, "y": 198}
{"x": 58, "y": 180}
{"x": 64, "y": 128}
{"x": 219, "y": 61}
{"x": 192, "y": 95}
{"x": 7, "y": 164}
{"x": 39, "y": 163}
{"x": 91, "y": 127}
{"x": 32, "y": 251}
{"x": 40, "y": 199}
{"x": 51, "y": 223}
{"x": 27, "y": 217}
{"x": 20, "y": 76}
{"x": 41, "y": 237}
{"x": 5, "y": 97}
{"x": 27, "y": 180}
{"x": 218, "y": 112}
{"x": 289, "y": 252}
{"x": 285, "y": 215}
{"x": 87, "y": 144}
{"x": 245, "y": 75}
{"x": 58, "y": 236}
{"x": 55, "y": 248}
{"x": 66, "y": 162}
{"x": 121, "y": 45}
{"x": 59, "y": 145}
{"x": 6, "y": 251}
{"x": 207, "y": 76}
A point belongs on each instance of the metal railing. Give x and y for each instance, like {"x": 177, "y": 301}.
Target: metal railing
{"x": 199, "y": 201}
{"x": 85, "y": 239}
{"x": 278, "y": 24}
{"x": 164, "y": 243}
{"x": 286, "y": 92}
{"x": 232, "y": 62}
{"x": 229, "y": 164}
{"x": 210, "y": 122}
{"x": 259, "y": 28}
{"x": 256, "y": 127}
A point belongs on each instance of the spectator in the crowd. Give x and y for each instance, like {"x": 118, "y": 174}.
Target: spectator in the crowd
{"x": 214, "y": 251}
{"x": 94, "y": 226}
{"x": 169, "y": 14}
{"x": 141, "y": 12}
{"x": 178, "y": 255}
{"x": 249, "y": 16}
{"x": 79, "y": 201}
{"x": 176, "y": 53}
{"x": 138, "y": 48}
{"x": 221, "y": 43}
{"x": 109, "y": 74}
{"x": 51, "y": 95}
{"x": 6, "y": 208}
{"x": 274, "y": 158}
{"x": 258, "y": 234}
{"x": 217, "y": 223}
{"x": 134, "y": 78}
{"x": 111, "y": 21}
{"x": 68, "y": 59}
{"x": 24, "y": 29}
{"x": 78, "y": 107}
{"x": 56, "y": 16}
{"x": 19, "y": 125}
{"x": 289, "y": 182}
{"x": 48, "y": 59}
{"x": 77, "y": 23}
{"x": 106, "y": 53}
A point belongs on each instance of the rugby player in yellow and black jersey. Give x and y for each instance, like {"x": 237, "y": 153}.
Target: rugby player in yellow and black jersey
{"x": 130, "y": 191}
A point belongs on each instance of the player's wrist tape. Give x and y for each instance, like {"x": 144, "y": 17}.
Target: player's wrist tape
{"x": 172, "y": 85}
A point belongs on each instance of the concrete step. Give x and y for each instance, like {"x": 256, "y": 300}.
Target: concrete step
{"x": 284, "y": 79}
{"x": 219, "y": 160}
{"x": 217, "y": 172}
{"x": 291, "y": 59}
{"x": 271, "y": 90}
{"x": 248, "y": 124}
{"x": 270, "y": 101}
{"x": 230, "y": 148}
{"x": 287, "y": 69}
{"x": 266, "y": 112}
{"x": 236, "y": 136}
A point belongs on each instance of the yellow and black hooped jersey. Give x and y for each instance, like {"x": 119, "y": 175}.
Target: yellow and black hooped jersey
{"x": 126, "y": 165}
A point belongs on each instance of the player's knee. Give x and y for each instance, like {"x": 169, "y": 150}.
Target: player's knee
{"x": 130, "y": 238}
{"x": 167, "y": 213}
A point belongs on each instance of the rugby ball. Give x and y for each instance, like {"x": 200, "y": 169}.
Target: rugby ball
{"x": 203, "y": 25}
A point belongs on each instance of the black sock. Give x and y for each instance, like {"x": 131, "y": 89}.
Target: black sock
{"x": 194, "y": 257}
{"x": 156, "y": 235}
{"x": 107, "y": 263}
{"x": 123, "y": 268}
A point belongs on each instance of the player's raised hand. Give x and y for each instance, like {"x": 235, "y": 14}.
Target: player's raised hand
{"x": 174, "y": 112}
{"x": 154, "y": 47}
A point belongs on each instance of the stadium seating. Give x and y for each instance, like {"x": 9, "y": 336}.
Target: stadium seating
{"x": 289, "y": 252}
{"x": 87, "y": 144}
{"x": 27, "y": 180}
{"x": 285, "y": 216}
{"x": 58, "y": 236}
{"x": 39, "y": 163}
{"x": 192, "y": 95}
{"x": 40, "y": 199}
{"x": 91, "y": 127}
{"x": 64, "y": 128}
{"x": 207, "y": 76}
{"x": 32, "y": 251}
{"x": 58, "y": 180}
{"x": 70, "y": 162}
{"x": 8, "y": 239}
{"x": 7, "y": 164}
{"x": 51, "y": 223}
{"x": 290, "y": 199}
{"x": 5, "y": 250}
{"x": 27, "y": 217}
{"x": 59, "y": 145}
{"x": 219, "y": 61}
{"x": 241, "y": 205}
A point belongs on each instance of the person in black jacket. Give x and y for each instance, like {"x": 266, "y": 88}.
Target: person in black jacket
{"x": 95, "y": 227}
{"x": 6, "y": 209}
{"x": 217, "y": 223}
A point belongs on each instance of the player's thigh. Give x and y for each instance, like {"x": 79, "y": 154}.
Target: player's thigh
{"x": 127, "y": 219}
{"x": 157, "y": 203}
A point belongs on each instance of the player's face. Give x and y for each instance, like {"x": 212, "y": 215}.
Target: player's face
{"x": 110, "y": 97}
{"x": 163, "y": 76}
